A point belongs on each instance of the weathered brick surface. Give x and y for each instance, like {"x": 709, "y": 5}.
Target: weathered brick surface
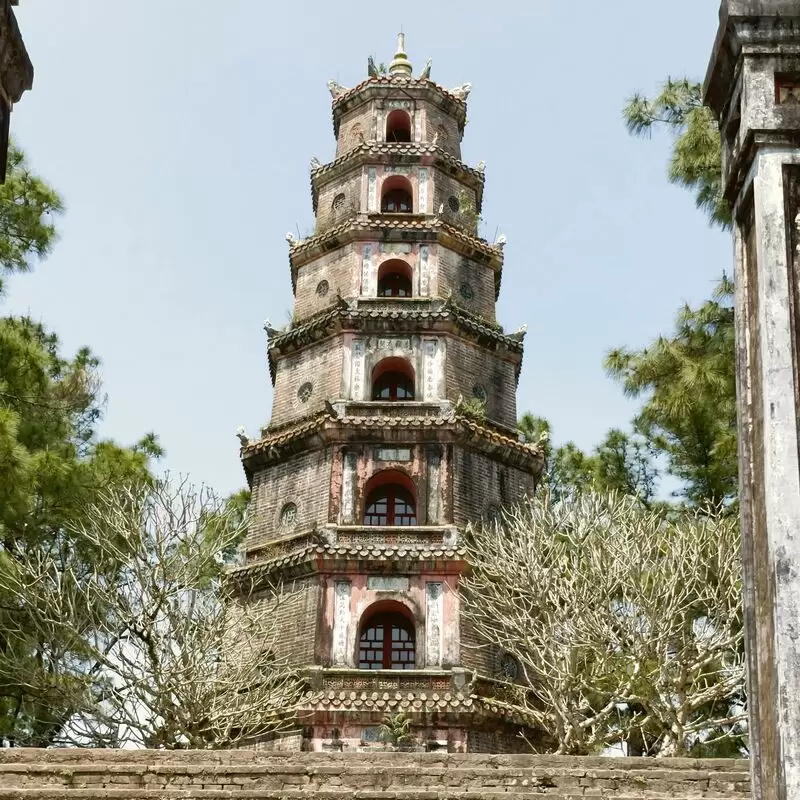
{"x": 479, "y": 481}
{"x": 138, "y": 774}
{"x": 448, "y": 137}
{"x": 446, "y": 187}
{"x": 477, "y": 280}
{"x": 470, "y": 366}
{"x": 300, "y": 609}
{"x": 347, "y": 192}
{"x": 341, "y": 269}
{"x": 302, "y": 480}
{"x": 318, "y": 364}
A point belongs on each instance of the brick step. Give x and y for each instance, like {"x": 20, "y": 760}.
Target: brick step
{"x": 63, "y": 793}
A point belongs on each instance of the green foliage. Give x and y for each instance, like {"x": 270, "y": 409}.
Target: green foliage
{"x": 396, "y": 729}
{"x": 697, "y": 153}
{"x": 471, "y": 407}
{"x": 688, "y": 383}
{"x": 52, "y": 466}
{"x": 27, "y": 210}
{"x": 621, "y": 462}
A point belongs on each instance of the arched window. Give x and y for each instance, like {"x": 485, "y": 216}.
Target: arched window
{"x": 387, "y": 639}
{"x": 394, "y": 279}
{"x": 390, "y": 500}
{"x": 392, "y": 380}
{"x": 396, "y": 196}
{"x": 398, "y": 126}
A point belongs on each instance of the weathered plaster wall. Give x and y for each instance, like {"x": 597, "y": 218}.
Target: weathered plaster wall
{"x": 431, "y": 599}
{"x": 142, "y": 774}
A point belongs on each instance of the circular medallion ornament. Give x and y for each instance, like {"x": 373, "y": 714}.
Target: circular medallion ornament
{"x": 466, "y": 291}
{"x": 509, "y": 667}
{"x": 479, "y": 393}
{"x": 338, "y": 202}
{"x": 305, "y": 391}
{"x": 322, "y": 288}
{"x": 453, "y": 204}
{"x": 288, "y": 516}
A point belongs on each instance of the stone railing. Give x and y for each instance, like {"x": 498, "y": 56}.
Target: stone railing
{"x": 193, "y": 774}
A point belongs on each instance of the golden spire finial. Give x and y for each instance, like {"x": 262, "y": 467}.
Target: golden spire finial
{"x": 400, "y": 65}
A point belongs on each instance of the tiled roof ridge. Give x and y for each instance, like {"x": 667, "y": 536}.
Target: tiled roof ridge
{"x": 449, "y": 311}
{"x": 431, "y": 222}
{"x": 386, "y": 80}
{"x": 328, "y": 415}
{"x": 375, "y": 146}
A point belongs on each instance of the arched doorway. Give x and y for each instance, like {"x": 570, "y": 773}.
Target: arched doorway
{"x": 396, "y": 196}
{"x": 387, "y": 639}
{"x": 393, "y": 380}
{"x": 398, "y": 126}
{"x": 390, "y": 500}
{"x": 394, "y": 279}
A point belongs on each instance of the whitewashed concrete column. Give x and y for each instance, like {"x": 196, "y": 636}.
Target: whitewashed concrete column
{"x": 750, "y": 87}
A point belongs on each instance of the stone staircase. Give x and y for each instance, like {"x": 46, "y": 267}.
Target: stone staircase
{"x": 29, "y": 774}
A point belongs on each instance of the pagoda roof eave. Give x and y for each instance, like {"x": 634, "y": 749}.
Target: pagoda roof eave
{"x": 327, "y": 427}
{"x": 416, "y": 87}
{"x": 387, "y": 228}
{"x": 442, "y": 313}
{"x": 373, "y": 152}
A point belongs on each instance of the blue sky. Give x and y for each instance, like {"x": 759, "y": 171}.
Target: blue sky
{"x": 180, "y": 134}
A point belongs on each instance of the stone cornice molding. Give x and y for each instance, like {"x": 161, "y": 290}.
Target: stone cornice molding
{"x": 384, "y": 86}
{"x": 397, "y": 228}
{"x": 327, "y": 427}
{"x": 442, "y": 315}
{"x": 426, "y": 154}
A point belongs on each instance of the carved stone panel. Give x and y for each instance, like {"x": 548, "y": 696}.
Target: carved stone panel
{"x": 423, "y": 190}
{"x": 424, "y": 271}
{"x": 347, "y": 512}
{"x": 372, "y": 180}
{"x": 341, "y": 622}
{"x": 434, "y": 602}
{"x": 434, "y": 460}
{"x": 357, "y": 370}
{"x": 432, "y": 369}
{"x": 369, "y": 273}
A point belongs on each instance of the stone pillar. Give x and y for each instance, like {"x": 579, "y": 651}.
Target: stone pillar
{"x": 753, "y": 87}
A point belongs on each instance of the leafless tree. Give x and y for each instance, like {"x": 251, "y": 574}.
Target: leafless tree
{"x": 626, "y": 622}
{"x": 164, "y": 650}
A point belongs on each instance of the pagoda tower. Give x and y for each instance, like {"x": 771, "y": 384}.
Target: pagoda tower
{"x": 393, "y": 426}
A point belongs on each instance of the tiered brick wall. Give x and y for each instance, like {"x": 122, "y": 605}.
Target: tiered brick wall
{"x": 137, "y": 775}
{"x": 479, "y": 481}
{"x": 342, "y": 270}
{"x": 302, "y": 480}
{"x": 455, "y": 270}
{"x": 469, "y": 366}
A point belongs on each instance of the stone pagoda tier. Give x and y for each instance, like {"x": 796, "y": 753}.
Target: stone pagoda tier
{"x": 393, "y": 426}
